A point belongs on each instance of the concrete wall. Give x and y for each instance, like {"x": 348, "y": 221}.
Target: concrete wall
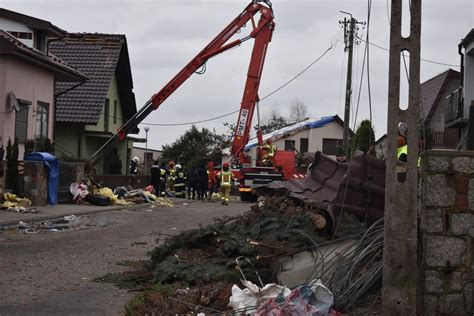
{"x": 447, "y": 233}
{"x": 29, "y": 83}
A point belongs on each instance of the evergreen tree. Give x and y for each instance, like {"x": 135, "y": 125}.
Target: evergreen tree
{"x": 364, "y": 138}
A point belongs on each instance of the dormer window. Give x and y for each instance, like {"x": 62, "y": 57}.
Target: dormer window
{"x": 22, "y": 35}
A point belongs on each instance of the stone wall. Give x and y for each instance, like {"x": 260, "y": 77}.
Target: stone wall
{"x": 36, "y": 183}
{"x": 447, "y": 233}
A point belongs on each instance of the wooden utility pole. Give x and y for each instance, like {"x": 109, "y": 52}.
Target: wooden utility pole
{"x": 349, "y": 33}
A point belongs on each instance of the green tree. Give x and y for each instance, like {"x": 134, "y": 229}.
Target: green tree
{"x": 11, "y": 180}
{"x": 364, "y": 138}
{"x": 196, "y": 146}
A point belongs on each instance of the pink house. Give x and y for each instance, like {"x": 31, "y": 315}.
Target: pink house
{"x": 27, "y": 78}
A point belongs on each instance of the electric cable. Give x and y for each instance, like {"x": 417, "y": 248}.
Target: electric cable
{"x": 422, "y": 59}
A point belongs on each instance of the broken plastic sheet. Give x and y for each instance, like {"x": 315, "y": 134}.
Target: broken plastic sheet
{"x": 312, "y": 299}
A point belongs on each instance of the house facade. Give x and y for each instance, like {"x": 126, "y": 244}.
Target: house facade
{"x": 459, "y": 101}
{"x": 90, "y": 113}
{"x": 323, "y": 134}
{"x": 28, "y": 75}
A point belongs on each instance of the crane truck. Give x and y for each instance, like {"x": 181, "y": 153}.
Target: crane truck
{"x": 250, "y": 171}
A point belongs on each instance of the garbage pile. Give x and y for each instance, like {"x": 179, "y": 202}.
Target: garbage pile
{"x": 12, "y": 203}
{"x": 89, "y": 192}
{"x": 235, "y": 264}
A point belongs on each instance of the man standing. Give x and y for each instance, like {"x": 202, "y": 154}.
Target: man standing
{"x": 156, "y": 177}
{"x": 134, "y": 166}
{"x": 225, "y": 180}
{"x": 192, "y": 183}
{"x": 180, "y": 182}
{"x": 202, "y": 179}
{"x": 171, "y": 176}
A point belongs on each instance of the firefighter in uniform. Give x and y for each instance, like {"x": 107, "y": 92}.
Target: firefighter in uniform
{"x": 156, "y": 177}
{"x": 180, "y": 182}
{"x": 171, "y": 176}
{"x": 269, "y": 152}
{"x": 225, "y": 180}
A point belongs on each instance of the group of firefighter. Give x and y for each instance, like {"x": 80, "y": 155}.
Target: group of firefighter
{"x": 173, "y": 180}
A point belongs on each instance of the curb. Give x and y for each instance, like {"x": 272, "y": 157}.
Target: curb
{"x": 33, "y": 220}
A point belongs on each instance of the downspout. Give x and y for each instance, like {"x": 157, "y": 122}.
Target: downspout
{"x": 462, "y": 63}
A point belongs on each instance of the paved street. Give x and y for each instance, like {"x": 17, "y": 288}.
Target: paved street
{"x": 51, "y": 273}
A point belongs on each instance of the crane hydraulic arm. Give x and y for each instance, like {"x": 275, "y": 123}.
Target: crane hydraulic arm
{"x": 261, "y": 32}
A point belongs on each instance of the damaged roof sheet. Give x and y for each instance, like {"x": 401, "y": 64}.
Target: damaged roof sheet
{"x": 357, "y": 187}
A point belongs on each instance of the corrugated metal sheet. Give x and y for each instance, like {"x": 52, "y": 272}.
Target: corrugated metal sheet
{"x": 357, "y": 187}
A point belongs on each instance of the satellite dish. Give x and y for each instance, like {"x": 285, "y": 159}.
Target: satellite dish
{"x": 14, "y": 104}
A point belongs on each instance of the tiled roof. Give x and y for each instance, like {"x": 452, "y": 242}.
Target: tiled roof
{"x": 97, "y": 56}
{"x": 357, "y": 187}
{"x": 432, "y": 90}
{"x": 11, "y": 45}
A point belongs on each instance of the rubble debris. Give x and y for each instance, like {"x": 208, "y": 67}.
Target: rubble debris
{"x": 311, "y": 299}
{"x": 276, "y": 228}
{"x": 13, "y": 203}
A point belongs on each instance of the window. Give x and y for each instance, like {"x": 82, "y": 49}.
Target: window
{"x": 115, "y": 111}
{"x": 289, "y": 145}
{"x": 106, "y": 114}
{"x": 303, "y": 145}
{"x": 21, "y": 123}
{"x": 22, "y": 35}
{"x": 330, "y": 145}
{"x": 42, "y": 115}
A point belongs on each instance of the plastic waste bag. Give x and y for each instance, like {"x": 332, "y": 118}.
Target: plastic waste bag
{"x": 252, "y": 295}
{"x": 313, "y": 299}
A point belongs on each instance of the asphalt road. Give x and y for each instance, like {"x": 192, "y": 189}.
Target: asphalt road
{"x": 51, "y": 273}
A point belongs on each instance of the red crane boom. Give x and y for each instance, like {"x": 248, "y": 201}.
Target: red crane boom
{"x": 261, "y": 32}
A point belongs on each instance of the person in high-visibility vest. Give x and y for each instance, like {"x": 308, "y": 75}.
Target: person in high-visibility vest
{"x": 402, "y": 149}
{"x": 171, "y": 176}
{"x": 269, "y": 152}
{"x": 225, "y": 180}
{"x": 180, "y": 182}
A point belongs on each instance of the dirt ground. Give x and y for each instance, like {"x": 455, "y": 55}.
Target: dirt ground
{"x": 52, "y": 273}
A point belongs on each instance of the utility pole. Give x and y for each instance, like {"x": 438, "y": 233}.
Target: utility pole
{"x": 349, "y": 32}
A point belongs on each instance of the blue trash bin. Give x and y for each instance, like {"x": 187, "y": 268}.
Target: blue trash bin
{"x": 51, "y": 164}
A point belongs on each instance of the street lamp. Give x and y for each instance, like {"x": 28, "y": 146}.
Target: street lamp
{"x": 146, "y": 137}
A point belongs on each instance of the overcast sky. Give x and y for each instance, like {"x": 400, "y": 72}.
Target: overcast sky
{"x": 163, "y": 35}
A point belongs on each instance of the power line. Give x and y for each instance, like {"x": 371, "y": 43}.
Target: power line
{"x": 333, "y": 43}
{"x": 422, "y": 59}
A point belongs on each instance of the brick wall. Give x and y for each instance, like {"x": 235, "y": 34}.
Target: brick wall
{"x": 447, "y": 233}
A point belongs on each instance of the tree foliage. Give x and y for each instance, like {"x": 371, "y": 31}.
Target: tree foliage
{"x": 364, "y": 137}
{"x": 298, "y": 111}
{"x": 11, "y": 181}
{"x": 195, "y": 147}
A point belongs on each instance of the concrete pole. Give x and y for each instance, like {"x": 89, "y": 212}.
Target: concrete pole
{"x": 347, "y": 108}
{"x": 401, "y": 262}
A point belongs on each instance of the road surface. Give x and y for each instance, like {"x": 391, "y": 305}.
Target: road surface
{"x": 51, "y": 273}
